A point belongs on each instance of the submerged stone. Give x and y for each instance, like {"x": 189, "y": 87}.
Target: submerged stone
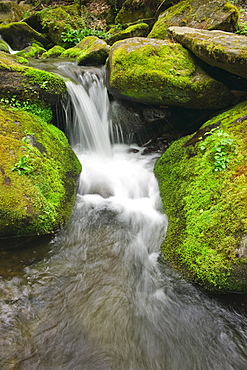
{"x": 162, "y": 73}
{"x": 219, "y": 49}
{"x": 202, "y": 14}
{"x": 38, "y": 175}
{"x": 203, "y": 185}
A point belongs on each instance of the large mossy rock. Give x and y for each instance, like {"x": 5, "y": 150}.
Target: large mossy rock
{"x": 61, "y": 19}
{"x": 162, "y": 73}
{"x": 203, "y": 185}
{"x": 19, "y": 35}
{"x": 90, "y": 51}
{"x": 29, "y": 84}
{"x": 38, "y": 175}
{"x": 202, "y": 14}
{"x": 217, "y": 48}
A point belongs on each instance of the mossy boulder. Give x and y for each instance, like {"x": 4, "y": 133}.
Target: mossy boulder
{"x": 203, "y": 185}
{"x": 202, "y": 14}
{"x": 135, "y": 10}
{"x": 20, "y": 35}
{"x": 38, "y": 175}
{"x": 10, "y": 12}
{"x": 219, "y": 49}
{"x": 33, "y": 51}
{"x": 90, "y": 51}
{"x": 29, "y": 84}
{"x": 56, "y": 20}
{"x": 162, "y": 73}
{"x": 135, "y": 30}
{"x": 54, "y": 52}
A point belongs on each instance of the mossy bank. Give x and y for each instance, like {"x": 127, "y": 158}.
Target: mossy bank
{"x": 203, "y": 186}
{"x": 38, "y": 174}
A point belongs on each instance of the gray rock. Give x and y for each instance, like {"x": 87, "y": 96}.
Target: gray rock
{"x": 217, "y": 48}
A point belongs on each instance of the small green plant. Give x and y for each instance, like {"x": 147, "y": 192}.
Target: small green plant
{"x": 75, "y": 36}
{"x": 222, "y": 151}
{"x": 223, "y": 148}
{"x": 24, "y": 166}
{"x": 44, "y": 113}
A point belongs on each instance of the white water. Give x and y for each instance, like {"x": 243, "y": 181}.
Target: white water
{"x": 101, "y": 300}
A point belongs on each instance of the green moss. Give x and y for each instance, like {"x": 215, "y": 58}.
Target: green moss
{"x": 40, "y": 200}
{"x": 164, "y": 73}
{"x": 56, "y": 20}
{"x": 33, "y": 51}
{"x": 3, "y": 46}
{"x": 71, "y": 52}
{"x": 54, "y": 52}
{"x": 94, "y": 51}
{"x": 207, "y": 208}
{"x": 198, "y": 14}
{"x": 20, "y": 34}
{"x": 133, "y": 10}
{"x": 181, "y": 10}
{"x": 21, "y": 60}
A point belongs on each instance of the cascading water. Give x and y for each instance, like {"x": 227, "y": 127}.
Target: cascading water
{"x": 102, "y": 301}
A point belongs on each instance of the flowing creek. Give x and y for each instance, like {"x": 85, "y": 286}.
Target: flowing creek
{"x": 97, "y": 296}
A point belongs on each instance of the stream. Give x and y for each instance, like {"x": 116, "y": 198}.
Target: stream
{"x": 97, "y": 296}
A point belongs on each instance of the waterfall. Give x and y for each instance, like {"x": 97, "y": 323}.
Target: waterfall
{"x": 102, "y": 300}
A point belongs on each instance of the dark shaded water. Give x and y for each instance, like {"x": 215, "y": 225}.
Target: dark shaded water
{"x": 98, "y": 298}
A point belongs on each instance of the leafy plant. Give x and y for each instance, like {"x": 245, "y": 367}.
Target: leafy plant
{"x": 24, "y": 166}
{"x": 222, "y": 151}
{"x": 75, "y": 36}
{"x": 44, "y": 113}
{"x": 223, "y": 148}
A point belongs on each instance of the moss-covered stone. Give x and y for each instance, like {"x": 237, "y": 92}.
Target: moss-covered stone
{"x": 135, "y": 30}
{"x": 38, "y": 175}
{"x": 73, "y": 52}
{"x": 134, "y": 10}
{"x": 56, "y": 20}
{"x": 19, "y": 35}
{"x": 94, "y": 51}
{"x": 225, "y": 50}
{"x": 33, "y": 51}
{"x": 162, "y": 73}
{"x": 202, "y": 14}
{"x": 54, "y": 52}
{"x": 203, "y": 186}
{"x": 29, "y": 84}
